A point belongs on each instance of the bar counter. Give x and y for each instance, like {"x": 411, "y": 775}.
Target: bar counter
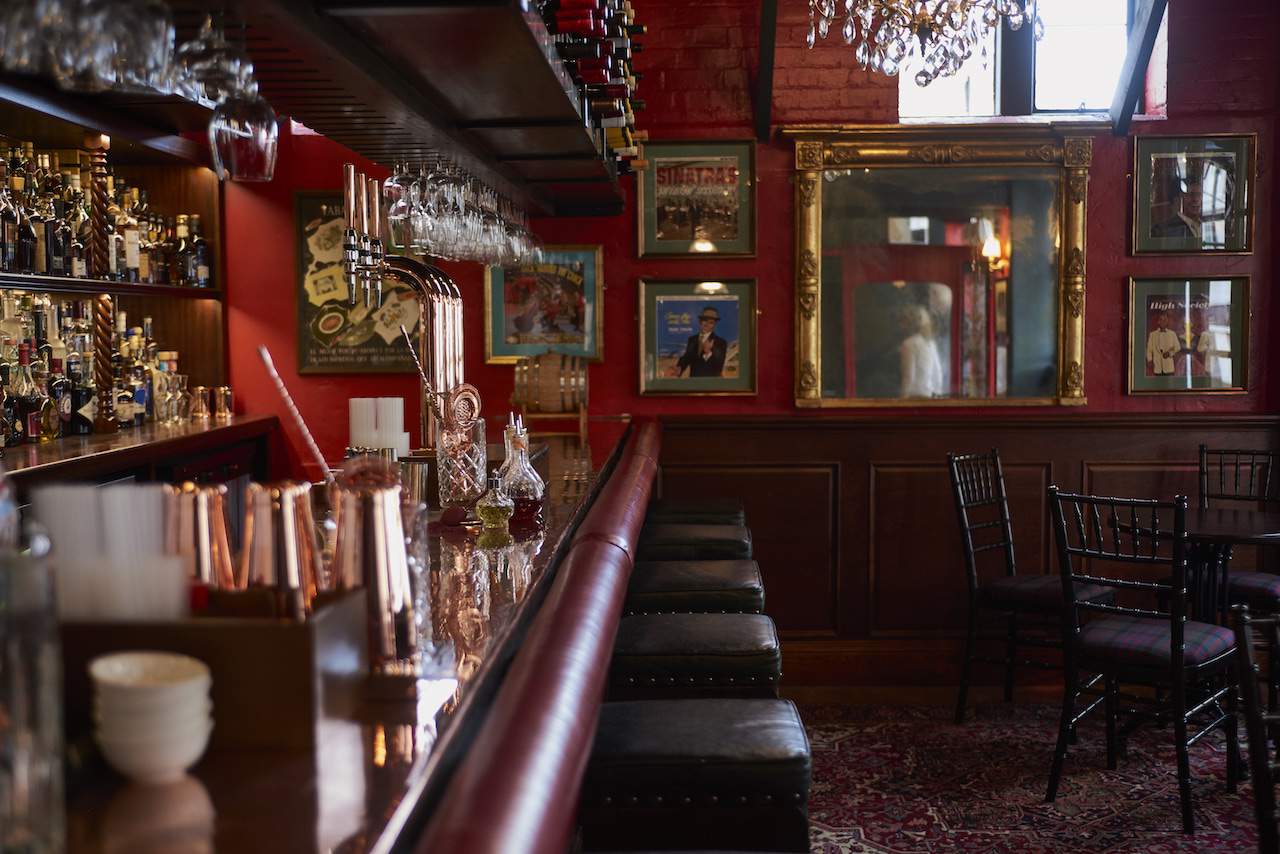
{"x": 372, "y": 783}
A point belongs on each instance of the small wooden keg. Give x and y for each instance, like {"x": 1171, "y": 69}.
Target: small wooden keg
{"x": 551, "y": 383}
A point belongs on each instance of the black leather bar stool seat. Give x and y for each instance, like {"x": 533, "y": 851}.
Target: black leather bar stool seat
{"x": 695, "y": 655}
{"x": 697, "y": 511}
{"x": 694, "y": 542}
{"x": 695, "y": 586}
{"x": 719, "y": 774}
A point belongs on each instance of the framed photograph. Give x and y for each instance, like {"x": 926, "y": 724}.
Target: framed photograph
{"x": 698, "y": 337}
{"x": 555, "y": 305}
{"x": 334, "y": 337}
{"x": 698, "y": 198}
{"x": 1188, "y": 335}
{"x": 1193, "y": 195}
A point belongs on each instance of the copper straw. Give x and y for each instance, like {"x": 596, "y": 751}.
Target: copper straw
{"x": 422, "y": 374}
{"x": 293, "y": 411}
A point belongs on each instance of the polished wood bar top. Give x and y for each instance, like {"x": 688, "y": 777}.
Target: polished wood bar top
{"x": 373, "y": 780}
{"x": 1234, "y": 525}
{"x": 76, "y": 457}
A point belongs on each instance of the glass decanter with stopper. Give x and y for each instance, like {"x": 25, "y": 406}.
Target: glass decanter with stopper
{"x": 521, "y": 482}
{"x": 494, "y": 507}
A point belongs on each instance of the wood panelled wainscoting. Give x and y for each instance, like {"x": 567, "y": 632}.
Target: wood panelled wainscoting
{"x": 855, "y": 529}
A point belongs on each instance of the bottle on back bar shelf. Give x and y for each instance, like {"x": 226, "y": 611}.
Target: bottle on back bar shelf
{"x": 129, "y": 228}
{"x": 9, "y": 217}
{"x": 83, "y": 404}
{"x": 203, "y": 256}
{"x": 30, "y": 399}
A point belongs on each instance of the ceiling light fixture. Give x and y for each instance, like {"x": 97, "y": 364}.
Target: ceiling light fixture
{"x": 935, "y": 36}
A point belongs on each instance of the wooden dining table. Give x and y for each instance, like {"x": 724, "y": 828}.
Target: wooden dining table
{"x": 1213, "y": 533}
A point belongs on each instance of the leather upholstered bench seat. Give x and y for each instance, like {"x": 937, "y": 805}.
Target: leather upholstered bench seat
{"x": 721, "y": 774}
{"x": 695, "y": 655}
{"x": 695, "y": 586}
{"x": 694, "y": 542}
{"x": 697, "y": 511}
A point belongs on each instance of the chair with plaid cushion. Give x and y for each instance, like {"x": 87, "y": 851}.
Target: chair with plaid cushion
{"x": 1021, "y": 604}
{"x": 1141, "y": 638}
{"x": 1262, "y": 769}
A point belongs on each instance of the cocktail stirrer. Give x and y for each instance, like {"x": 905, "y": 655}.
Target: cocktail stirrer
{"x": 422, "y": 374}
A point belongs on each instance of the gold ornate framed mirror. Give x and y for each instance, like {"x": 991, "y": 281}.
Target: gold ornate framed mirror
{"x": 940, "y": 265}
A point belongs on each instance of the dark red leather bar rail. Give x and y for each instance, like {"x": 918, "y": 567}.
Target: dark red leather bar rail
{"x": 517, "y": 789}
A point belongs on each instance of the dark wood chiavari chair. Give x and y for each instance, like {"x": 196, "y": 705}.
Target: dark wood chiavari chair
{"x": 1263, "y": 770}
{"x": 1188, "y": 662}
{"x": 986, "y": 532}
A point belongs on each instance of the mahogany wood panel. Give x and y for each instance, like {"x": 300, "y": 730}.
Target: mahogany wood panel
{"x": 892, "y": 606}
{"x": 797, "y": 550}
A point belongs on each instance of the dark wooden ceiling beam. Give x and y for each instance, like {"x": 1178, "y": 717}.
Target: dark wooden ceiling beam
{"x": 1142, "y": 39}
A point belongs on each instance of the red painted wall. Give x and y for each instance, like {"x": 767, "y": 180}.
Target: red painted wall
{"x": 699, "y": 64}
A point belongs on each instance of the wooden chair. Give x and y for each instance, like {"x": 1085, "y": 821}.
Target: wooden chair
{"x": 977, "y": 483}
{"x": 1244, "y": 477}
{"x": 1257, "y": 722}
{"x": 1188, "y": 662}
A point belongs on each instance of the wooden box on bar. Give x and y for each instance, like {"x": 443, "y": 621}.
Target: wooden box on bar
{"x": 273, "y": 680}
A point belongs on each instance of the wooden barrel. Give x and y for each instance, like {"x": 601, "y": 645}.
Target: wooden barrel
{"x": 552, "y": 382}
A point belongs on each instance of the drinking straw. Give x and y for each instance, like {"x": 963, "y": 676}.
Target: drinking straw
{"x": 293, "y": 411}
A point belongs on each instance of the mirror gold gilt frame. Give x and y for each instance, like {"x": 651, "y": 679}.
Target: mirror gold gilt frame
{"x": 818, "y": 149}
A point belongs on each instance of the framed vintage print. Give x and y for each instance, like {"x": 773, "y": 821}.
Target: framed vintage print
{"x": 334, "y": 337}
{"x": 1193, "y": 195}
{"x": 554, "y": 305}
{"x": 1188, "y": 335}
{"x": 698, "y": 337}
{"x": 698, "y": 198}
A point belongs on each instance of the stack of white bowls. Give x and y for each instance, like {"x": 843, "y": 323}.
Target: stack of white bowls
{"x": 152, "y": 713}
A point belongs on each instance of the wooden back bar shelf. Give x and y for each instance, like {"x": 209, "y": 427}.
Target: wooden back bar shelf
{"x": 156, "y": 143}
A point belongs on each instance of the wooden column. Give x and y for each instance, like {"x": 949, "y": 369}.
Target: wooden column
{"x": 808, "y": 273}
{"x": 103, "y": 309}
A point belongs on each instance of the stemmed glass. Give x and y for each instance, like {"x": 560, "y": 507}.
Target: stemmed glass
{"x": 243, "y": 135}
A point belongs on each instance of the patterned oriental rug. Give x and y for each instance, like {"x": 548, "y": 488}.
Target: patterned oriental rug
{"x": 906, "y": 779}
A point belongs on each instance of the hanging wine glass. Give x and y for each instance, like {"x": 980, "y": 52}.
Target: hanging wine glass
{"x": 243, "y": 136}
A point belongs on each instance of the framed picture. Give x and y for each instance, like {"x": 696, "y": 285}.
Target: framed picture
{"x": 334, "y": 337}
{"x": 555, "y": 305}
{"x": 698, "y": 337}
{"x": 698, "y": 198}
{"x": 1188, "y": 335}
{"x": 1193, "y": 195}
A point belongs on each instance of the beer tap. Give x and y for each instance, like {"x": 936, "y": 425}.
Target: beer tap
{"x": 366, "y": 243}
{"x": 351, "y": 234}
{"x": 377, "y": 257}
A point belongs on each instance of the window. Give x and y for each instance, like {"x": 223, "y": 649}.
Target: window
{"x": 1074, "y": 66}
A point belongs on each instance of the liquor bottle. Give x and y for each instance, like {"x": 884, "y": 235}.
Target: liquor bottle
{"x": 37, "y": 220}
{"x": 26, "y": 262}
{"x": 9, "y": 218}
{"x": 184, "y": 269}
{"x": 77, "y": 252}
{"x": 115, "y": 235}
{"x": 128, "y": 226}
{"x": 83, "y": 401}
{"x": 146, "y": 248}
{"x": 203, "y": 256}
{"x": 57, "y": 237}
{"x": 30, "y": 398}
{"x": 167, "y": 250}
{"x": 13, "y": 431}
{"x": 58, "y": 413}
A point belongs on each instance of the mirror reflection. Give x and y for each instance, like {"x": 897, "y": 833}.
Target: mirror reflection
{"x": 940, "y": 283}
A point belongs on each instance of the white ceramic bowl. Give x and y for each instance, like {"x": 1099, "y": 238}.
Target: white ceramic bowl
{"x": 151, "y": 679}
{"x": 116, "y": 726}
{"x": 158, "y": 758}
{"x": 130, "y": 708}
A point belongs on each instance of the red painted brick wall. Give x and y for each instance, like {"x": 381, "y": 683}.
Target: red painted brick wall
{"x": 699, "y": 63}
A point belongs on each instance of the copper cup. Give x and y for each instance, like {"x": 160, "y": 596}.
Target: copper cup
{"x": 197, "y": 532}
{"x": 223, "y": 403}
{"x": 281, "y": 549}
{"x": 369, "y": 552}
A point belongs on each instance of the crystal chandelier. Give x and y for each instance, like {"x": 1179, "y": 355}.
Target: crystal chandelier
{"x": 937, "y": 36}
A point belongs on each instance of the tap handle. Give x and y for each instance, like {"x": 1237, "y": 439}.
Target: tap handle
{"x": 373, "y": 200}
{"x": 349, "y": 207}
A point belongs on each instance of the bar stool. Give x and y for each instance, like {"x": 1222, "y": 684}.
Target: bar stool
{"x": 666, "y": 541}
{"x": 695, "y": 655}
{"x": 695, "y": 586}
{"x": 700, "y": 511}
{"x": 721, "y": 774}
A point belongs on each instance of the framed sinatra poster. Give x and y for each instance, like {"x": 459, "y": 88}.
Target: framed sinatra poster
{"x": 698, "y": 198}
{"x": 698, "y": 338}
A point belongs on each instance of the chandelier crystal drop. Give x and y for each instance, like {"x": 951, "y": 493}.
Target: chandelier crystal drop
{"x": 934, "y": 37}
